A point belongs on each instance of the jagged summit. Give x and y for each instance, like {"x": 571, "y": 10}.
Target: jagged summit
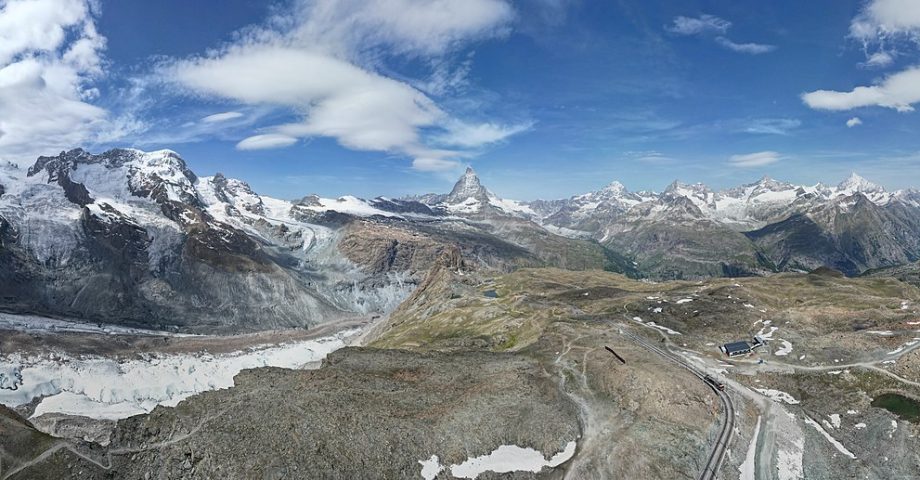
{"x": 855, "y": 183}
{"x": 467, "y": 187}
{"x": 615, "y": 187}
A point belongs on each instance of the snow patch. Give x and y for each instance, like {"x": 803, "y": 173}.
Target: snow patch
{"x": 748, "y": 467}
{"x": 654, "y": 325}
{"x": 684, "y": 300}
{"x": 763, "y": 331}
{"x": 504, "y": 459}
{"x": 789, "y": 462}
{"x": 785, "y": 350}
{"x": 777, "y": 396}
{"x": 839, "y": 446}
{"x": 431, "y": 467}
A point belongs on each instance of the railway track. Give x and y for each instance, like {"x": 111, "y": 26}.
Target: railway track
{"x": 714, "y": 462}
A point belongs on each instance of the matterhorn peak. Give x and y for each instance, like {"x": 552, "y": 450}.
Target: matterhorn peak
{"x": 467, "y": 187}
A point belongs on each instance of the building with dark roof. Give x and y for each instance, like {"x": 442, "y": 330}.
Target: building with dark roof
{"x": 736, "y": 348}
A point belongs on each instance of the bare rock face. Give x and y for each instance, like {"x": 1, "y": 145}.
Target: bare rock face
{"x": 383, "y": 248}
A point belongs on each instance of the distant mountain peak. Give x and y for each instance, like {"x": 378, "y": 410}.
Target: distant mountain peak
{"x": 679, "y": 188}
{"x": 856, "y": 183}
{"x": 615, "y": 187}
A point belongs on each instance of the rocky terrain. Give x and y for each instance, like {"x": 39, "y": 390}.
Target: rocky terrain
{"x": 833, "y": 345}
{"x": 472, "y": 364}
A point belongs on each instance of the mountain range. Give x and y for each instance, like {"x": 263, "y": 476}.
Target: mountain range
{"x": 137, "y": 238}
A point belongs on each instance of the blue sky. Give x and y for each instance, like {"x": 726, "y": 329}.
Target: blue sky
{"x": 544, "y": 98}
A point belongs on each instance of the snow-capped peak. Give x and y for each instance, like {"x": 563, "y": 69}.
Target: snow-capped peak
{"x": 468, "y": 187}
{"x": 855, "y": 183}
{"x": 615, "y": 187}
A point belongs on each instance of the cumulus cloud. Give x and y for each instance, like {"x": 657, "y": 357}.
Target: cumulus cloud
{"x": 898, "y": 91}
{"x": 882, "y": 25}
{"x": 854, "y": 122}
{"x": 757, "y": 159}
{"x": 883, "y": 19}
{"x": 266, "y": 141}
{"x": 50, "y": 54}
{"x": 697, "y": 25}
{"x": 323, "y": 63}
{"x": 749, "y": 48}
{"x": 222, "y": 117}
{"x": 710, "y": 25}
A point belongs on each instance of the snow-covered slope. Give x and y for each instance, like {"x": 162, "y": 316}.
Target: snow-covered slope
{"x": 747, "y": 207}
{"x": 136, "y": 237}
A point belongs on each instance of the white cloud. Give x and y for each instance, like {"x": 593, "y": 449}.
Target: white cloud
{"x": 466, "y": 135}
{"x": 854, "y": 122}
{"x": 431, "y": 27}
{"x": 710, "y": 25}
{"x": 749, "y": 48}
{"x": 883, "y": 24}
{"x": 222, "y": 117}
{"x": 321, "y": 63}
{"x": 757, "y": 159}
{"x": 702, "y": 24}
{"x": 881, "y": 19}
{"x": 898, "y": 91}
{"x": 50, "y": 53}
{"x": 772, "y": 126}
{"x": 266, "y": 141}
{"x": 433, "y": 164}
{"x": 878, "y": 60}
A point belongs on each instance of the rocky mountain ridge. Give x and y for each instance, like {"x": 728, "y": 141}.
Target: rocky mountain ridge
{"x": 690, "y": 230}
{"x": 137, "y": 238}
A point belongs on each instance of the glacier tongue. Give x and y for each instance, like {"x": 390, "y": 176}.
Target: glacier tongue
{"x": 105, "y": 388}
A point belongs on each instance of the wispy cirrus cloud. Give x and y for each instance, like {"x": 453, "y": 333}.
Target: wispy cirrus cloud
{"x": 771, "y": 126}
{"x": 757, "y": 159}
{"x": 682, "y": 25}
{"x": 749, "y": 48}
{"x": 222, "y": 117}
{"x": 716, "y": 28}
{"x": 266, "y": 142}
